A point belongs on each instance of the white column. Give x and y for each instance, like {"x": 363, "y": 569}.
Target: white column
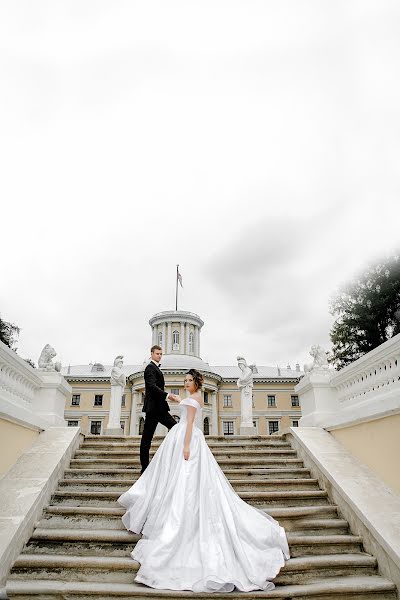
{"x": 182, "y": 339}
{"x": 169, "y": 344}
{"x": 133, "y": 424}
{"x": 187, "y": 337}
{"x": 214, "y": 408}
{"x": 164, "y": 337}
{"x": 197, "y": 341}
{"x": 154, "y": 335}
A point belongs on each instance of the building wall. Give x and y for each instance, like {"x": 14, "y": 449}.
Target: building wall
{"x": 87, "y": 411}
{"x": 15, "y": 438}
{"x": 376, "y": 444}
{"x": 283, "y": 413}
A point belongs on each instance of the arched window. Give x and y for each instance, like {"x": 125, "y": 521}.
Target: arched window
{"x": 160, "y": 340}
{"x": 206, "y": 426}
{"x": 191, "y": 342}
{"x": 175, "y": 340}
{"x": 141, "y": 425}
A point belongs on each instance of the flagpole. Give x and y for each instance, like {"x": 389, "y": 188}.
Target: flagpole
{"x": 176, "y": 291}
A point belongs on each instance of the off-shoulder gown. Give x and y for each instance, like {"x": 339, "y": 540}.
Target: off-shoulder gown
{"x": 197, "y": 534}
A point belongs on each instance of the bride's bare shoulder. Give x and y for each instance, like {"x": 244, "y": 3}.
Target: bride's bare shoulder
{"x": 199, "y": 399}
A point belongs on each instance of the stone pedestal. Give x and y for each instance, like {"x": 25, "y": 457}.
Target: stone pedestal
{"x": 49, "y": 401}
{"x": 114, "y": 418}
{"x": 135, "y": 400}
{"x": 318, "y": 399}
{"x": 246, "y": 411}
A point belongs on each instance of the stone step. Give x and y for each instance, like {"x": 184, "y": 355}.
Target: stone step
{"x": 120, "y": 543}
{"x": 93, "y": 444}
{"x": 115, "y": 463}
{"x": 71, "y": 484}
{"x": 300, "y": 526}
{"x": 219, "y": 454}
{"x": 334, "y": 588}
{"x": 123, "y": 569}
{"x": 274, "y": 498}
{"x": 246, "y": 474}
{"x": 129, "y": 474}
{"x": 227, "y": 439}
{"x": 291, "y": 518}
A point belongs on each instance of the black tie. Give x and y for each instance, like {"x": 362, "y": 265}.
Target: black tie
{"x": 159, "y": 365}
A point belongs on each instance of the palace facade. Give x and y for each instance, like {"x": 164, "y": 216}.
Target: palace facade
{"x": 275, "y": 404}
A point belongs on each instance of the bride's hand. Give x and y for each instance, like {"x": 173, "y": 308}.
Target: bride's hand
{"x": 186, "y": 453}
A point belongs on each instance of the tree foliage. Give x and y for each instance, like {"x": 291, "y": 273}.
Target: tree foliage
{"x": 368, "y": 312}
{"x": 9, "y": 333}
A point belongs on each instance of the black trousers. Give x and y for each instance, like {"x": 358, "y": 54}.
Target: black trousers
{"x": 150, "y": 423}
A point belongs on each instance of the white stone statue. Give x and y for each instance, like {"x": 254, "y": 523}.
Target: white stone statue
{"x": 45, "y": 362}
{"x": 320, "y": 362}
{"x": 118, "y": 382}
{"x": 117, "y": 375}
{"x": 245, "y": 384}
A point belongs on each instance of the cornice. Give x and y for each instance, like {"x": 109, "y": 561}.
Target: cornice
{"x": 86, "y": 378}
{"x": 140, "y": 374}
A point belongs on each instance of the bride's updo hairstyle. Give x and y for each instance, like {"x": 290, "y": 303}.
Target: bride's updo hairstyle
{"x": 197, "y": 378}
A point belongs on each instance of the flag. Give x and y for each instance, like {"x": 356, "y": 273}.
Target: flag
{"x": 180, "y": 279}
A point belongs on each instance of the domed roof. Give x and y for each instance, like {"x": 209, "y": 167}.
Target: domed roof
{"x": 184, "y": 361}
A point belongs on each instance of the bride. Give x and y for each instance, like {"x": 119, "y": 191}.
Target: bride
{"x": 197, "y": 533}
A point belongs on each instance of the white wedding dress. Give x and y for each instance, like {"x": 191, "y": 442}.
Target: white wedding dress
{"x": 197, "y": 533}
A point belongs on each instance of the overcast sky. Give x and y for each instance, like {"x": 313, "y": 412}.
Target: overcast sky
{"x": 257, "y": 144}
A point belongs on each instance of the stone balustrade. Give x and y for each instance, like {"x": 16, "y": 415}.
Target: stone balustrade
{"x": 368, "y": 388}
{"x": 18, "y": 380}
{"x": 30, "y": 396}
{"x": 376, "y": 373}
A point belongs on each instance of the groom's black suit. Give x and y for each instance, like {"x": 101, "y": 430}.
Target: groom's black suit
{"x": 156, "y": 408}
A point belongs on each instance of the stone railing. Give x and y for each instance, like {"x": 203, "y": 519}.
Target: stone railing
{"x": 18, "y": 380}
{"x": 368, "y": 388}
{"x": 30, "y": 396}
{"x": 376, "y": 373}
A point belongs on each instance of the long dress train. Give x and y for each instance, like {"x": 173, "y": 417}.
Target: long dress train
{"x": 197, "y": 533}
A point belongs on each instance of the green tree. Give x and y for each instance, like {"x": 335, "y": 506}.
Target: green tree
{"x": 9, "y": 333}
{"x": 367, "y": 310}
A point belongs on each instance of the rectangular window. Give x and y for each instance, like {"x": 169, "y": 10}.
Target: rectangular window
{"x": 73, "y": 423}
{"x": 122, "y": 423}
{"x": 295, "y": 423}
{"x": 252, "y": 401}
{"x": 98, "y": 400}
{"x": 295, "y": 401}
{"x": 228, "y": 427}
{"x": 273, "y": 427}
{"x": 175, "y": 391}
{"x": 227, "y": 400}
{"x": 123, "y": 400}
{"x": 271, "y": 401}
{"x": 205, "y": 397}
{"x": 255, "y": 424}
{"x": 95, "y": 427}
{"x": 76, "y": 399}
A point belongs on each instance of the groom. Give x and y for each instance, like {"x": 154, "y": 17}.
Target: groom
{"x": 155, "y": 404}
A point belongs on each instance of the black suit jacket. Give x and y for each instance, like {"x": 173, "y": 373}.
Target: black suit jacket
{"x": 155, "y": 396}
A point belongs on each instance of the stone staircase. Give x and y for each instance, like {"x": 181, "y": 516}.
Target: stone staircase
{"x": 80, "y": 549}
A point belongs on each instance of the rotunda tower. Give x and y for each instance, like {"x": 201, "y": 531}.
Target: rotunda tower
{"x": 177, "y": 332}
